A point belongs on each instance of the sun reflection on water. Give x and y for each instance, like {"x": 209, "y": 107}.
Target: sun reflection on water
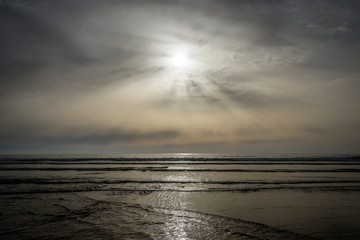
{"x": 176, "y": 229}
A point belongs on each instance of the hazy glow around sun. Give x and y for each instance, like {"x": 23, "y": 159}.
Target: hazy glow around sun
{"x": 180, "y": 60}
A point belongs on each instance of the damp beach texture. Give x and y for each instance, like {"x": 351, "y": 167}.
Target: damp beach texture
{"x": 179, "y": 196}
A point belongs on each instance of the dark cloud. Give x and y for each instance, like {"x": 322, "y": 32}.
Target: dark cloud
{"x": 32, "y": 42}
{"x": 92, "y": 139}
{"x": 121, "y": 137}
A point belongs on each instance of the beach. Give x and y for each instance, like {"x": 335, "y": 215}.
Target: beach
{"x": 179, "y": 196}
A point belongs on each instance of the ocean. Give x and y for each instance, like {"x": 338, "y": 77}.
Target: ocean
{"x": 180, "y": 196}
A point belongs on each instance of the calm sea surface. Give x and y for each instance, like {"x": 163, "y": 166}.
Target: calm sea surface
{"x": 180, "y": 196}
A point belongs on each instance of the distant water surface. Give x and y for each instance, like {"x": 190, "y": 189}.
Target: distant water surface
{"x": 180, "y": 196}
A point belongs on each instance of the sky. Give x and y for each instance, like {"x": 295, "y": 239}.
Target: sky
{"x": 106, "y": 76}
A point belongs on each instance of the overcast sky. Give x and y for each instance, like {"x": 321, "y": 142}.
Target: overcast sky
{"x": 102, "y": 76}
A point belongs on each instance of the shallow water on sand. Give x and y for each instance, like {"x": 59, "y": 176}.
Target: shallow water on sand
{"x": 179, "y": 197}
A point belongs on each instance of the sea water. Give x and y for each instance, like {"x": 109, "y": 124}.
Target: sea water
{"x": 180, "y": 196}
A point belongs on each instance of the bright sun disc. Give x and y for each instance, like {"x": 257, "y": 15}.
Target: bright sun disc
{"x": 180, "y": 60}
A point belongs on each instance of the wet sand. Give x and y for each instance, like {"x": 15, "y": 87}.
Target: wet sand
{"x": 179, "y": 199}
{"x": 115, "y": 215}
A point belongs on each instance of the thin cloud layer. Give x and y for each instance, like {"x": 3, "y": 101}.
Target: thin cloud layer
{"x": 260, "y": 76}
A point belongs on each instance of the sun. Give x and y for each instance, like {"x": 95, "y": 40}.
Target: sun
{"x": 180, "y": 60}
